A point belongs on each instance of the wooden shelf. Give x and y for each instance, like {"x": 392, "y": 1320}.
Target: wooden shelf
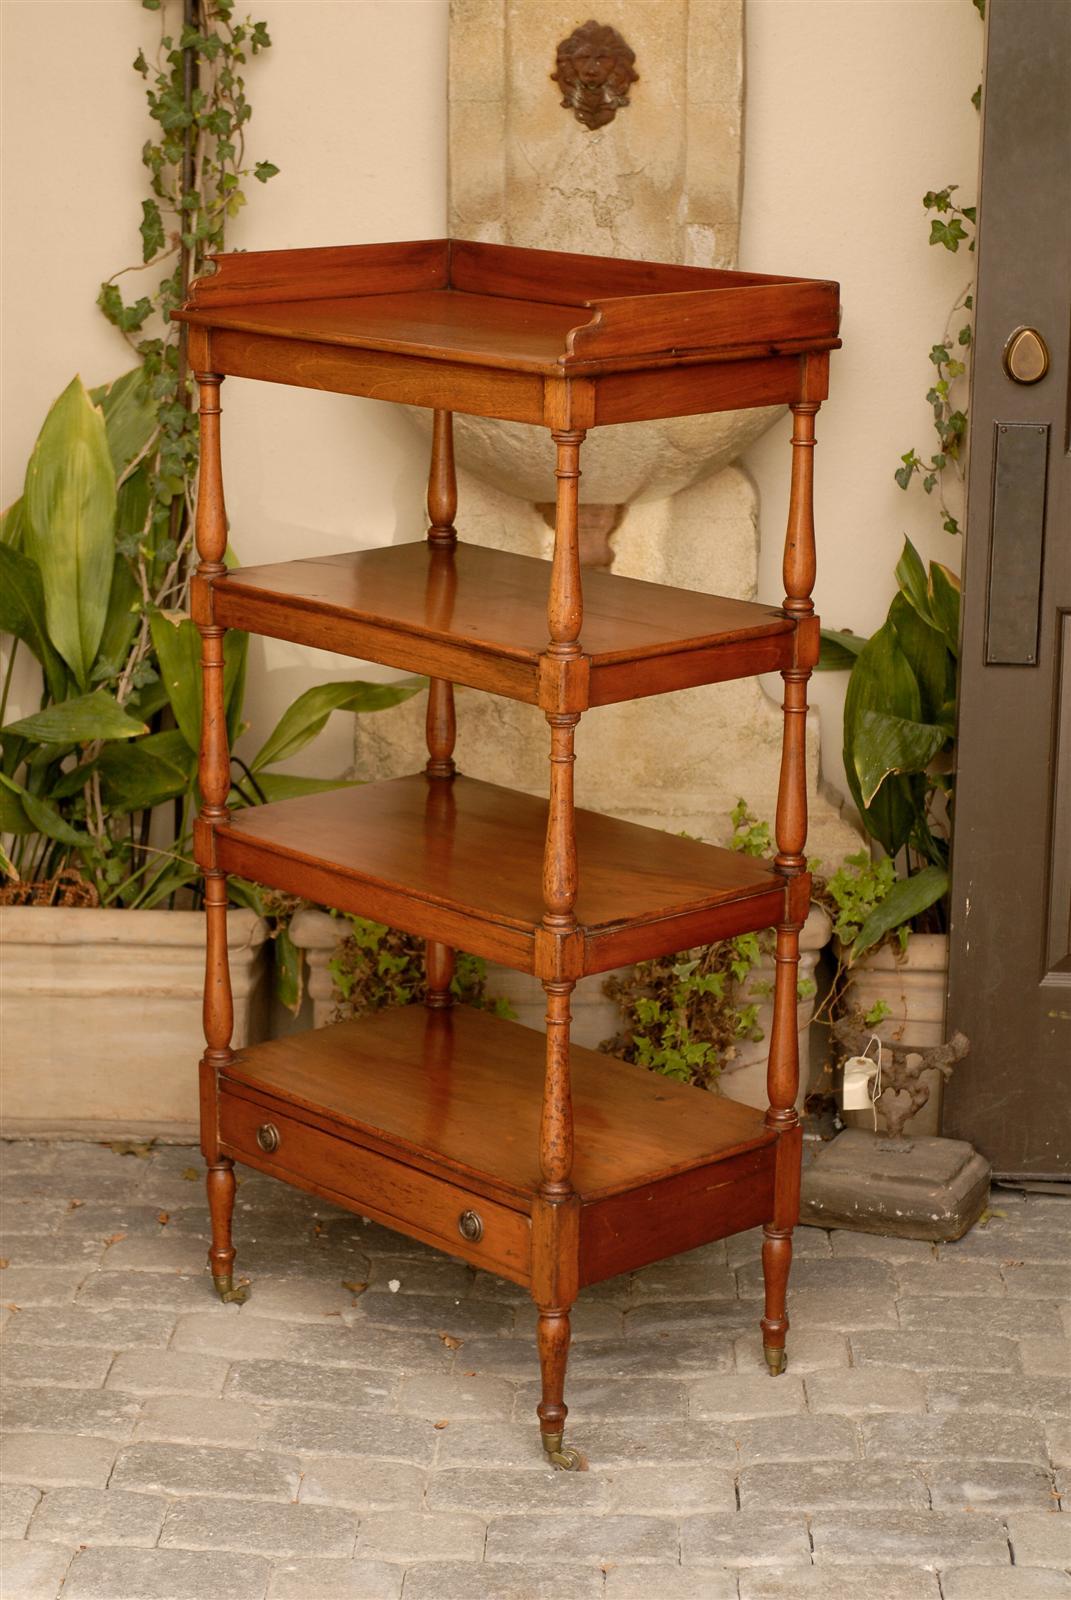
{"x": 461, "y": 861}
{"x": 486, "y": 328}
{"x": 455, "y": 1096}
{"x": 479, "y": 617}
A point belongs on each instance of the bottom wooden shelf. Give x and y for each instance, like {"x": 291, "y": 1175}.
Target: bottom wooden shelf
{"x": 418, "y": 1118}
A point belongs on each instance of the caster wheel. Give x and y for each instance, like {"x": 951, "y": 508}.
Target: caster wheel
{"x": 775, "y": 1359}
{"x": 230, "y": 1293}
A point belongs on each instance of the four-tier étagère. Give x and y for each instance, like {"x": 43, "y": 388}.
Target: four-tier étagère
{"x": 549, "y": 1164}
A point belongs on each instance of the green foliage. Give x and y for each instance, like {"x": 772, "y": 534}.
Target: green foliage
{"x": 899, "y": 715}
{"x": 195, "y": 160}
{"x": 686, "y": 1015}
{"x": 375, "y": 966}
{"x": 80, "y": 775}
{"x": 950, "y": 226}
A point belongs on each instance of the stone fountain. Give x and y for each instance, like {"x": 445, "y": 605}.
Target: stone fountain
{"x": 620, "y": 137}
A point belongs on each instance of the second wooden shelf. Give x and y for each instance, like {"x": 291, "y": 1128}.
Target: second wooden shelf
{"x": 461, "y": 861}
{"x": 479, "y": 617}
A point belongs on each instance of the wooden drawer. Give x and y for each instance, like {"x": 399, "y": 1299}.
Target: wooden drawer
{"x": 374, "y": 1184}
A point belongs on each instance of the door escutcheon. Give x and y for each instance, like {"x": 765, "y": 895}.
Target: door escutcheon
{"x": 1026, "y": 356}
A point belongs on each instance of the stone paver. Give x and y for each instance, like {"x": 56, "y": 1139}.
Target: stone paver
{"x": 74, "y": 1367}
{"x": 668, "y": 1583}
{"x": 420, "y": 1536}
{"x": 48, "y": 1459}
{"x": 831, "y": 1583}
{"x": 925, "y": 1539}
{"x": 990, "y": 1486}
{"x": 1040, "y": 1538}
{"x": 819, "y": 1485}
{"x": 597, "y": 1540}
{"x": 335, "y": 1580}
{"x": 456, "y": 1580}
{"x": 865, "y": 1391}
{"x": 1017, "y": 1583}
{"x": 103, "y": 1573}
{"x": 98, "y": 1516}
{"x": 32, "y": 1571}
{"x": 259, "y": 1529}
{"x": 320, "y": 1443}
{"x": 746, "y": 1539}
{"x": 197, "y": 1470}
{"x": 17, "y": 1504}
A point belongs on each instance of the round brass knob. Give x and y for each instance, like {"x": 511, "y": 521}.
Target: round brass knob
{"x": 470, "y": 1226}
{"x": 268, "y": 1137}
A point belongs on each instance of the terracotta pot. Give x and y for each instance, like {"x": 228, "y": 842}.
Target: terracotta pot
{"x": 914, "y": 986}
{"x": 102, "y": 1014}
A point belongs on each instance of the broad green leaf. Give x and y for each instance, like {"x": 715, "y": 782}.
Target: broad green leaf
{"x": 945, "y": 596}
{"x": 911, "y": 576}
{"x": 235, "y": 655}
{"x": 72, "y": 782}
{"x": 132, "y": 511}
{"x": 178, "y": 650}
{"x": 121, "y": 621}
{"x": 43, "y": 815}
{"x": 22, "y": 613}
{"x": 181, "y": 874}
{"x": 886, "y": 745}
{"x": 144, "y": 774}
{"x": 926, "y": 653}
{"x": 281, "y": 786}
{"x": 129, "y": 416}
{"x": 839, "y": 650}
{"x": 7, "y": 866}
{"x": 70, "y": 525}
{"x": 310, "y": 711}
{"x": 78, "y": 721}
{"x": 13, "y": 818}
{"x": 907, "y": 898}
{"x": 882, "y": 680}
{"x": 13, "y": 523}
{"x": 289, "y": 970}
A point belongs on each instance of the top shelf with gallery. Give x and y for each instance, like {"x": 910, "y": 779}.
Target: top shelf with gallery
{"x": 460, "y": 1129}
{"x": 483, "y": 328}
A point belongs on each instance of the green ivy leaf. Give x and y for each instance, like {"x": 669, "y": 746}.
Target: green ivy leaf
{"x": 153, "y": 238}
{"x": 264, "y": 170}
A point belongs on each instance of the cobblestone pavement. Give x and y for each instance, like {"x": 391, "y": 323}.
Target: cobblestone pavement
{"x": 328, "y": 1440}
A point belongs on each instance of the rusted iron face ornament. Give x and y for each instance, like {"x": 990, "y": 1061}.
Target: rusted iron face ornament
{"x": 595, "y": 73}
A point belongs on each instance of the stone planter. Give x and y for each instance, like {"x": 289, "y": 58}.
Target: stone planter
{"x": 595, "y": 1017}
{"x": 914, "y": 986}
{"x": 102, "y": 1015}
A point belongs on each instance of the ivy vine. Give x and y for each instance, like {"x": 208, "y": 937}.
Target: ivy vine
{"x": 951, "y": 225}
{"x": 196, "y": 163}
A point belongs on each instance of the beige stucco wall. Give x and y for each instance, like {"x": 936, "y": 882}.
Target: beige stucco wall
{"x": 854, "y": 109}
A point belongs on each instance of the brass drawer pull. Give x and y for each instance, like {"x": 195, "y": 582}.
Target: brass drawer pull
{"x": 470, "y": 1226}
{"x": 268, "y": 1137}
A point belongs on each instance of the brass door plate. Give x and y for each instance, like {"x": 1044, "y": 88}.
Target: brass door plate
{"x": 1026, "y": 356}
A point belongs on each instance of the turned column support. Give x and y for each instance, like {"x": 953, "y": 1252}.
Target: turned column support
{"x": 791, "y": 862}
{"x": 440, "y": 723}
{"x": 214, "y": 768}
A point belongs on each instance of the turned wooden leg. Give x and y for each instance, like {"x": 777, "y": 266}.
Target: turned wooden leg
{"x": 221, "y": 1190}
{"x": 791, "y": 863}
{"x": 776, "y": 1261}
{"x": 553, "y": 1338}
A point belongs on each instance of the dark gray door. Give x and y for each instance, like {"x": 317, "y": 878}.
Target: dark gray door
{"x": 1010, "y": 979}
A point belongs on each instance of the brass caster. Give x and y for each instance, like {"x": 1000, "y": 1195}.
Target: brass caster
{"x": 775, "y": 1358}
{"x": 228, "y": 1293}
{"x": 563, "y": 1457}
